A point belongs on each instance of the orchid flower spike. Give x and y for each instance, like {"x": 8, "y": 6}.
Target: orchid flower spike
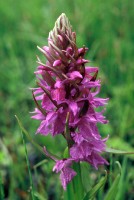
{"x": 66, "y": 100}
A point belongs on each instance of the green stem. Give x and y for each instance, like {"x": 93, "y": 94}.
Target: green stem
{"x": 77, "y": 182}
{"x": 69, "y": 193}
{"x": 75, "y": 190}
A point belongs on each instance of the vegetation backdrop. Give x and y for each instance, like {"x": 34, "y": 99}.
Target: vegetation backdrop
{"x": 106, "y": 28}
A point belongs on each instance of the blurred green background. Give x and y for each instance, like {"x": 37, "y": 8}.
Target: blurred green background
{"x": 106, "y": 28}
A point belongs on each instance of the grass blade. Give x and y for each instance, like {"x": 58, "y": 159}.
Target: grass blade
{"x": 1, "y": 189}
{"x": 114, "y": 188}
{"x": 91, "y": 194}
{"x": 123, "y": 181}
{"x": 32, "y": 141}
{"x": 39, "y": 196}
{"x": 28, "y": 136}
{"x": 29, "y": 171}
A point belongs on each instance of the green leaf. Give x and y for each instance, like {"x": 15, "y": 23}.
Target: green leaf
{"x": 1, "y": 188}
{"x": 123, "y": 181}
{"x": 126, "y": 148}
{"x": 91, "y": 194}
{"x": 114, "y": 188}
{"x": 66, "y": 153}
{"x": 40, "y": 163}
{"x": 39, "y": 196}
{"x": 116, "y": 151}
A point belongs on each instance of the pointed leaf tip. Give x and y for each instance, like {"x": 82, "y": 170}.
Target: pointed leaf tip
{"x": 91, "y": 194}
{"x": 113, "y": 191}
{"x": 116, "y": 151}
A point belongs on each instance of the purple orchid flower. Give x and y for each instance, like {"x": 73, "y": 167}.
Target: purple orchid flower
{"x": 66, "y": 87}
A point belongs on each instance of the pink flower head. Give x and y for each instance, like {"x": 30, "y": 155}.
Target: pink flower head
{"x": 66, "y": 87}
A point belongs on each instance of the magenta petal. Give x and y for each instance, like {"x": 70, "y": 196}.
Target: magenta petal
{"x": 46, "y": 48}
{"x": 66, "y": 176}
{"x": 57, "y": 63}
{"x": 74, "y": 75}
{"x": 53, "y": 124}
{"x": 47, "y": 104}
{"x": 95, "y": 160}
{"x": 73, "y": 107}
{"x": 82, "y": 50}
{"x": 89, "y": 70}
{"x": 59, "y": 84}
{"x": 69, "y": 50}
{"x": 42, "y": 128}
{"x": 81, "y": 61}
{"x": 58, "y": 94}
{"x": 67, "y": 173}
{"x": 37, "y": 115}
{"x": 100, "y": 101}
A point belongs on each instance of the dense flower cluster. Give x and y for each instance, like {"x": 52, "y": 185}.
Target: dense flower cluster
{"x": 67, "y": 92}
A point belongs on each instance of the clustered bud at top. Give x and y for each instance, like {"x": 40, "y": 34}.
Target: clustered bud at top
{"x": 66, "y": 95}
